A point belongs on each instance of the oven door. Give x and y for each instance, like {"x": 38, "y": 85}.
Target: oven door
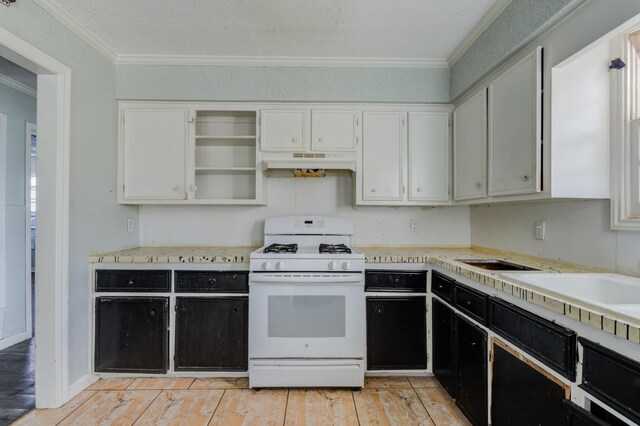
{"x": 306, "y": 316}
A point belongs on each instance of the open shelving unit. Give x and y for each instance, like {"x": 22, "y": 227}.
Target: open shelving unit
{"x": 226, "y": 163}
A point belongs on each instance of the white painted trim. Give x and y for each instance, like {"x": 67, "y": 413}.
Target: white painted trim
{"x": 487, "y": 19}
{"x": 81, "y": 384}
{"x": 30, "y": 129}
{"x": 16, "y": 338}
{"x": 52, "y": 297}
{"x": 74, "y": 25}
{"x": 280, "y": 61}
{"x": 3, "y": 242}
{"x": 15, "y": 84}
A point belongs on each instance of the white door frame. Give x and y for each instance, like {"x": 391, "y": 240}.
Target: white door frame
{"x": 3, "y": 243}
{"x": 29, "y": 131}
{"x": 52, "y": 246}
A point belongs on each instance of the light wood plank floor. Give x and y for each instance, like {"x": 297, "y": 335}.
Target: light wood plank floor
{"x": 187, "y": 401}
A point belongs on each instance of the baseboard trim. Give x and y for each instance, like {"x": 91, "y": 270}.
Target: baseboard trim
{"x": 81, "y": 384}
{"x": 15, "y": 339}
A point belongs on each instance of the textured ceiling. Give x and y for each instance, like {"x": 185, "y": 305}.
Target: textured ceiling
{"x": 428, "y": 29}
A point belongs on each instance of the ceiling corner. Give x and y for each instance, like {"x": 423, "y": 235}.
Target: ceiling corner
{"x": 487, "y": 19}
{"x": 72, "y": 24}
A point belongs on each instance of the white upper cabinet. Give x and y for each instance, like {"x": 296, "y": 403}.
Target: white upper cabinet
{"x": 333, "y": 130}
{"x": 153, "y": 153}
{"x": 428, "y": 137}
{"x": 515, "y": 131}
{"x": 179, "y": 153}
{"x": 470, "y": 148}
{"x": 404, "y": 157}
{"x": 282, "y": 130}
{"x": 382, "y": 155}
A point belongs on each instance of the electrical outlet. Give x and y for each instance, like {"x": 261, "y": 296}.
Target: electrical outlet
{"x": 130, "y": 225}
{"x": 540, "y": 230}
{"x": 413, "y": 225}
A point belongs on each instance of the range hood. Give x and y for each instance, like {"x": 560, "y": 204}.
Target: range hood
{"x": 310, "y": 160}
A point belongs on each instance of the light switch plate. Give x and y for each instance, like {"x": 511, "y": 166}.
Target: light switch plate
{"x": 540, "y": 230}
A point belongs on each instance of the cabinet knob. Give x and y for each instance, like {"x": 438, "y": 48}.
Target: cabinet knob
{"x": 175, "y": 189}
{"x": 524, "y": 178}
{"x": 373, "y": 190}
{"x": 478, "y": 185}
{"x": 474, "y": 344}
{"x": 321, "y": 140}
{"x": 131, "y": 281}
{"x": 467, "y": 303}
{"x": 397, "y": 281}
{"x": 212, "y": 280}
{"x": 152, "y": 312}
{"x": 293, "y": 140}
{"x": 419, "y": 189}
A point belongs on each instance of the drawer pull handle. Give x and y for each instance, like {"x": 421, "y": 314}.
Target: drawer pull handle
{"x": 235, "y": 310}
{"x": 467, "y": 303}
{"x": 212, "y": 280}
{"x": 131, "y": 281}
{"x": 474, "y": 344}
{"x": 440, "y": 286}
{"x": 397, "y": 280}
{"x": 152, "y": 312}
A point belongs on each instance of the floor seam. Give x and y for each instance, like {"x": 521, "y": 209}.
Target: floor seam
{"x": 145, "y": 410}
{"x": 353, "y": 398}
{"x": 75, "y": 409}
{"x": 224, "y": 391}
{"x": 422, "y": 402}
{"x": 286, "y": 406}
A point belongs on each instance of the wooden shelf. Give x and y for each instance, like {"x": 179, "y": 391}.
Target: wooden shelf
{"x": 224, "y": 137}
{"x": 224, "y": 169}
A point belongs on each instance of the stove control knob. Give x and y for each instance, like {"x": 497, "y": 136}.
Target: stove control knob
{"x": 267, "y": 266}
{"x": 280, "y": 266}
{"x": 333, "y": 265}
{"x": 346, "y": 266}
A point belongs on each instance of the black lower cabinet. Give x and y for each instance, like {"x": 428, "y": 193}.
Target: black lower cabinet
{"x": 576, "y": 416}
{"x": 443, "y": 345}
{"x": 471, "y": 370}
{"x": 211, "y": 334}
{"x": 131, "y": 334}
{"x": 396, "y": 333}
{"x": 521, "y": 395}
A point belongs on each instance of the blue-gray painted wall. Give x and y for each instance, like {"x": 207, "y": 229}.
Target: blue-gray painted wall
{"x": 222, "y": 83}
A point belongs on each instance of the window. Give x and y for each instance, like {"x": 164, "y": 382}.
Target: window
{"x": 625, "y": 126}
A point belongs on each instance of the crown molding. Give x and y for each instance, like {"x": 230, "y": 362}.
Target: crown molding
{"x": 74, "y": 25}
{"x": 15, "y": 84}
{"x": 280, "y": 61}
{"x": 487, "y": 19}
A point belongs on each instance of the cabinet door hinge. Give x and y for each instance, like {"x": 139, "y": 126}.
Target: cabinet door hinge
{"x": 259, "y": 120}
{"x": 402, "y": 121}
{"x": 357, "y": 140}
{"x": 357, "y": 122}
{"x": 404, "y": 189}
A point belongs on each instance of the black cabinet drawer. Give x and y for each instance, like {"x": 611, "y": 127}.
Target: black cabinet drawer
{"x": 612, "y": 378}
{"x": 442, "y": 286}
{"x": 576, "y": 416}
{"x": 404, "y": 281}
{"x": 552, "y": 344}
{"x": 212, "y": 282}
{"x": 133, "y": 280}
{"x": 471, "y": 302}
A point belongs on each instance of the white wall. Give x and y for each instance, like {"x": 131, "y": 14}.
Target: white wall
{"x": 219, "y": 225}
{"x": 19, "y": 108}
{"x": 97, "y": 222}
{"x": 576, "y": 231}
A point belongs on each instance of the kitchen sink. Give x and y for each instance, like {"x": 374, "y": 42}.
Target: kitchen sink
{"x": 496, "y": 265}
{"x": 610, "y": 292}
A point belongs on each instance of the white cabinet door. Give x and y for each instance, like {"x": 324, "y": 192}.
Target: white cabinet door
{"x": 282, "y": 130}
{"x": 333, "y": 130}
{"x": 515, "y": 128}
{"x": 470, "y": 148}
{"x": 382, "y": 155}
{"x": 428, "y": 136}
{"x": 154, "y": 153}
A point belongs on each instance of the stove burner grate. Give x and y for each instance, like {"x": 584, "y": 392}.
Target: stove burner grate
{"x": 281, "y": 248}
{"x": 334, "y": 248}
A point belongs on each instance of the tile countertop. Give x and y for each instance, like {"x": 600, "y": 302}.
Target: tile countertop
{"x": 444, "y": 257}
{"x": 209, "y": 254}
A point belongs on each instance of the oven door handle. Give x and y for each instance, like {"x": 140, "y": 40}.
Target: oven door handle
{"x": 304, "y": 279}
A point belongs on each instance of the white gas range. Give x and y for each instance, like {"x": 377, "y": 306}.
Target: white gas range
{"x": 307, "y": 306}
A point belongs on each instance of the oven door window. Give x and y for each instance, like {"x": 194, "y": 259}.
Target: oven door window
{"x": 306, "y": 316}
